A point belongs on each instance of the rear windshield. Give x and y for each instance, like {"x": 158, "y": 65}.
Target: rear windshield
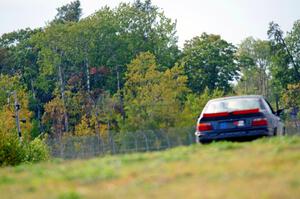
{"x": 229, "y": 105}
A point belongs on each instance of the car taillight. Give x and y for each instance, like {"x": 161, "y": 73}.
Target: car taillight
{"x": 260, "y": 122}
{"x": 204, "y": 127}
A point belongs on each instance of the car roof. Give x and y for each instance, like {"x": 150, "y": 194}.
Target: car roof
{"x": 237, "y": 97}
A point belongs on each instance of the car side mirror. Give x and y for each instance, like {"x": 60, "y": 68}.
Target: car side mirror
{"x": 279, "y": 112}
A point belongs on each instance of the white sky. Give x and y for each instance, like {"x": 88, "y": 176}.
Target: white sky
{"x": 234, "y": 20}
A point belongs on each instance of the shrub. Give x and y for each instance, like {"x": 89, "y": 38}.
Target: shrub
{"x": 36, "y": 151}
{"x": 12, "y": 152}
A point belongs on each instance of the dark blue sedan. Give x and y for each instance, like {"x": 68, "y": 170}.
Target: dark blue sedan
{"x": 238, "y": 117}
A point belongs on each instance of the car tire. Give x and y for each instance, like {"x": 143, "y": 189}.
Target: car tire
{"x": 205, "y": 141}
{"x": 275, "y": 132}
{"x": 284, "y": 131}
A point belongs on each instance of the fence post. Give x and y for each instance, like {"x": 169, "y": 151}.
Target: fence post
{"x": 113, "y": 144}
{"x": 135, "y": 142}
{"x": 157, "y": 141}
{"x": 179, "y": 141}
{"x": 146, "y": 141}
{"x": 191, "y": 139}
{"x": 124, "y": 144}
{"x": 101, "y": 145}
{"x": 168, "y": 140}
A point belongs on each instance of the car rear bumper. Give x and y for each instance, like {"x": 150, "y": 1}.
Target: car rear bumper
{"x": 210, "y": 136}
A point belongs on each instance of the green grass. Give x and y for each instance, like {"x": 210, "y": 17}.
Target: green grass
{"x": 266, "y": 168}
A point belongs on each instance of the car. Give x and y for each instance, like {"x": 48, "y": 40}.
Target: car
{"x": 238, "y": 117}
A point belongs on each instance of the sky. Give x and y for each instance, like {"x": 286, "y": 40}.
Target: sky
{"x": 234, "y": 20}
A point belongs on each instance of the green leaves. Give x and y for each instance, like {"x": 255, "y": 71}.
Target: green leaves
{"x": 194, "y": 105}
{"x": 68, "y": 13}
{"x": 285, "y": 54}
{"x": 254, "y": 58}
{"x": 93, "y": 68}
{"x": 152, "y": 98}
{"x": 209, "y": 62}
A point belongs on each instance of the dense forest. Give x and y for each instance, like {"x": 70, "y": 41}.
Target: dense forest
{"x": 121, "y": 70}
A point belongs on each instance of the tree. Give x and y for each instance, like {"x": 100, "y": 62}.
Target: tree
{"x": 20, "y": 57}
{"x": 53, "y": 62}
{"x": 78, "y": 63}
{"x": 293, "y": 45}
{"x": 152, "y": 98}
{"x": 84, "y": 127}
{"x": 254, "y": 58}
{"x": 291, "y": 96}
{"x": 284, "y": 67}
{"x": 194, "y": 105}
{"x": 68, "y": 13}
{"x": 144, "y": 28}
{"x": 54, "y": 117}
{"x": 9, "y": 86}
{"x": 209, "y": 62}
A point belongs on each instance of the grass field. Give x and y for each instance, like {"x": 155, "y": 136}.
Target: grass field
{"x": 266, "y": 168}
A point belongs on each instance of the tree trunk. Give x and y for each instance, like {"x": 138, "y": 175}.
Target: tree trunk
{"x": 62, "y": 92}
{"x": 87, "y": 71}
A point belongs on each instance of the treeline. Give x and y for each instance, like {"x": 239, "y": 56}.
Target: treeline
{"x": 120, "y": 69}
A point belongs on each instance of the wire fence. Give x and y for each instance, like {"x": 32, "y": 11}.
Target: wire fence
{"x": 117, "y": 143}
{"x": 292, "y": 130}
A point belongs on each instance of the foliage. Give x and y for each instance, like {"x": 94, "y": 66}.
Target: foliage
{"x": 68, "y": 13}
{"x": 284, "y": 69}
{"x": 12, "y": 152}
{"x": 79, "y": 76}
{"x": 10, "y": 87}
{"x": 254, "y": 58}
{"x": 194, "y": 105}
{"x": 54, "y": 116}
{"x": 145, "y": 28}
{"x": 291, "y": 96}
{"x": 84, "y": 127}
{"x": 152, "y": 98}
{"x": 83, "y": 61}
{"x": 209, "y": 62}
{"x": 293, "y": 41}
{"x": 106, "y": 113}
{"x": 36, "y": 151}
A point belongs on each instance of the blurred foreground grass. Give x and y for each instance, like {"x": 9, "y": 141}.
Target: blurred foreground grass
{"x": 266, "y": 168}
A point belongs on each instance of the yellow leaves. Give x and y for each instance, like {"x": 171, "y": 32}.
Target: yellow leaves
{"x": 8, "y": 86}
{"x": 84, "y": 128}
{"x": 142, "y": 70}
{"x": 291, "y": 96}
{"x": 89, "y": 126}
{"x": 8, "y": 120}
{"x": 54, "y": 110}
{"x": 152, "y": 97}
{"x": 194, "y": 105}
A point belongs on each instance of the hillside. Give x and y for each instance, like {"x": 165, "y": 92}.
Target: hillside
{"x": 266, "y": 168}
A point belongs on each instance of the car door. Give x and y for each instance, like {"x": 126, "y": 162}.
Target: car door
{"x": 277, "y": 125}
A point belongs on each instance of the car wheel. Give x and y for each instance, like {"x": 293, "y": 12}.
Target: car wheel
{"x": 283, "y": 131}
{"x": 275, "y": 132}
{"x": 205, "y": 141}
